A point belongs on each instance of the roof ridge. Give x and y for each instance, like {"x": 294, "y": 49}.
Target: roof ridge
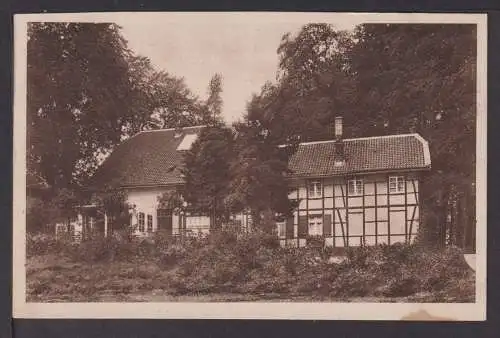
{"x": 169, "y": 129}
{"x": 158, "y": 130}
{"x": 365, "y": 138}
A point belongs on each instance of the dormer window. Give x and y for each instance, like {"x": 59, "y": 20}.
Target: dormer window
{"x": 187, "y": 142}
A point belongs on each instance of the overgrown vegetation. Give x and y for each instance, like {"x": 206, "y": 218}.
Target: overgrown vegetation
{"x": 384, "y": 79}
{"x": 242, "y": 267}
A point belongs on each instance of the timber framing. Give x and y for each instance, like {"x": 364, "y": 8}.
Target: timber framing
{"x": 373, "y": 215}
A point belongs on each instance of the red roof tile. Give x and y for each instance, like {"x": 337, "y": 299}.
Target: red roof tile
{"x": 371, "y": 154}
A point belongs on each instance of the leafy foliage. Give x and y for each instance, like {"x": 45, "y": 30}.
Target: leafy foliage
{"x": 383, "y": 79}
{"x": 113, "y": 201}
{"x": 248, "y": 264}
{"x": 212, "y": 108}
{"x": 78, "y": 90}
{"x": 160, "y": 99}
{"x": 46, "y": 209}
{"x": 86, "y": 93}
{"x": 263, "y": 146}
{"x": 206, "y": 171}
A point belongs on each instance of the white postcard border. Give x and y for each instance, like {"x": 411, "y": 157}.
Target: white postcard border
{"x": 261, "y": 310}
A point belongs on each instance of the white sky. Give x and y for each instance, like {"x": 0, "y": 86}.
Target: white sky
{"x": 240, "y": 46}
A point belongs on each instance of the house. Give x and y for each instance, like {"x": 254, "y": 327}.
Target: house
{"x": 351, "y": 192}
{"x": 361, "y": 191}
{"x": 146, "y": 166}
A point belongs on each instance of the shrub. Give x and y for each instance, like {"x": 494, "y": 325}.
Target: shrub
{"x": 44, "y": 244}
{"x": 315, "y": 241}
{"x": 231, "y": 262}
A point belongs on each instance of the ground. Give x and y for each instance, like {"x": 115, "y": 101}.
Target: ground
{"x": 53, "y": 278}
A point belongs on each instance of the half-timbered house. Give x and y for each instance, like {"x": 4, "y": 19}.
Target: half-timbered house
{"x": 360, "y": 191}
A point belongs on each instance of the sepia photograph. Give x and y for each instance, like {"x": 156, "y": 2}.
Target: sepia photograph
{"x": 237, "y": 161}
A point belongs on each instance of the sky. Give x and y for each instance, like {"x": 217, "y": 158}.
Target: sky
{"x": 242, "y": 47}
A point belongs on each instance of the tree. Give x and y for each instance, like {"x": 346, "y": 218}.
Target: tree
{"x": 86, "y": 93}
{"x": 315, "y": 80}
{"x": 212, "y": 109}
{"x": 42, "y": 209}
{"x": 79, "y": 94}
{"x": 258, "y": 175}
{"x": 113, "y": 202}
{"x": 206, "y": 172}
{"x": 162, "y": 100}
{"x": 425, "y": 83}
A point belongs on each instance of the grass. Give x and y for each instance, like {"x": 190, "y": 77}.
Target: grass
{"x": 224, "y": 272}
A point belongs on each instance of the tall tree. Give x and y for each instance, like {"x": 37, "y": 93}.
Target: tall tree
{"x": 206, "y": 172}
{"x": 425, "y": 83}
{"x": 258, "y": 174}
{"x": 79, "y": 94}
{"x": 213, "y": 105}
{"x": 86, "y": 92}
{"x": 159, "y": 100}
{"x": 315, "y": 81}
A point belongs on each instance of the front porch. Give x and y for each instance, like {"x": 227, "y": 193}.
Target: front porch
{"x": 90, "y": 222}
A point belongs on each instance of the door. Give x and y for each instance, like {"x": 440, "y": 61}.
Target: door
{"x": 164, "y": 217}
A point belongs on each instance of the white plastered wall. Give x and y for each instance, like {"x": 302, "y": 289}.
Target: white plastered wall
{"x": 146, "y": 200}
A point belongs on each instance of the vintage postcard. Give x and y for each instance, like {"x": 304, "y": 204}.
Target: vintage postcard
{"x": 250, "y": 165}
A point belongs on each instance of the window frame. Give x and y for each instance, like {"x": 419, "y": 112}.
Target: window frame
{"x": 354, "y": 183}
{"x": 318, "y": 189}
{"x": 197, "y": 222}
{"x": 141, "y": 226}
{"x": 281, "y": 229}
{"x": 318, "y": 224}
{"x": 397, "y": 180}
{"x": 149, "y": 223}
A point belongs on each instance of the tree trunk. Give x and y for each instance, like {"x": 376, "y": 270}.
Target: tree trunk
{"x": 268, "y": 221}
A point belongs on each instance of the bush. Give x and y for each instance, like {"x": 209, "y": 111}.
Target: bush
{"x": 230, "y": 262}
{"x": 43, "y": 244}
{"x": 401, "y": 270}
{"x": 315, "y": 241}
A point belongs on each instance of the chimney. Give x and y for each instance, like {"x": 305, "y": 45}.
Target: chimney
{"x": 338, "y": 128}
{"x": 339, "y": 156}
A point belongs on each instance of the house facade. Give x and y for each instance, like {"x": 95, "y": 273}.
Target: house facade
{"x": 147, "y": 166}
{"x": 350, "y": 192}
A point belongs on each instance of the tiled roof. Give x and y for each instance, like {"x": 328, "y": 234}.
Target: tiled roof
{"x": 370, "y": 154}
{"x": 149, "y": 158}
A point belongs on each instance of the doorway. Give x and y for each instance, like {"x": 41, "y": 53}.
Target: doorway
{"x": 164, "y": 217}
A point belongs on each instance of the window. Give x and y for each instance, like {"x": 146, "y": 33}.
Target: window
{"x": 315, "y": 226}
{"x": 396, "y": 184}
{"x": 150, "y": 223}
{"x": 187, "y": 142}
{"x": 355, "y": 187}
{"x": 281, "y": 229}
{"x": 315, "y": 189}
{"x": 140, "y": 221}
{"x": 197, "y": 224}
